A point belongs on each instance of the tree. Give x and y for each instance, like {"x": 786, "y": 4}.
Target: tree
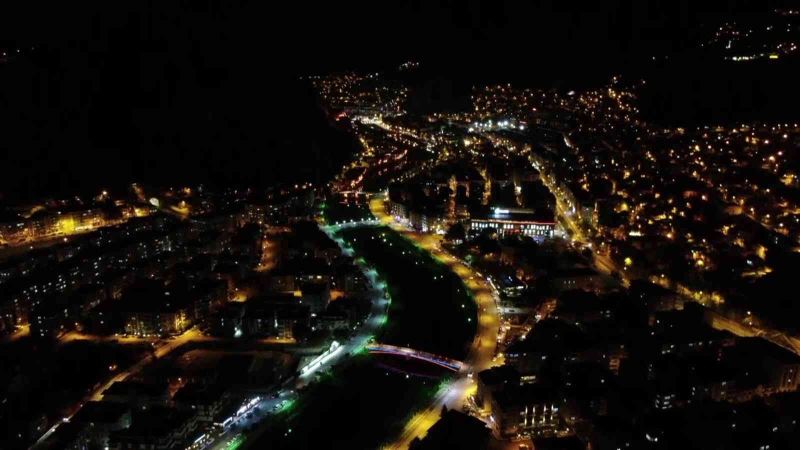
{"x": 456, "y": 233}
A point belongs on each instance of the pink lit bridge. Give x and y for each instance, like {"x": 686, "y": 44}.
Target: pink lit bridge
{"x": 441, "y": 361}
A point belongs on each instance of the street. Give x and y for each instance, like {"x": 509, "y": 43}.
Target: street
{"x": 481, "y": 353}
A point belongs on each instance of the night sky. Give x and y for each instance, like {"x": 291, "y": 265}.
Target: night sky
{"x": 179, "y": 92}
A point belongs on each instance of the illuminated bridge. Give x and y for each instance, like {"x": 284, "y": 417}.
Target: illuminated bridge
{"x": 441, "y": 361}
{"x": 352, "y": 224}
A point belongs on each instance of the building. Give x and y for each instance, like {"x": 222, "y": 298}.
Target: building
{"x": 492, "y": 381}
{"x": 136, "y": 393}
{"x": 514, "y": 221}
{"x": 206, "y": 402}
{"x": 766, "y": 369}
{"x": 209, "y": 295}
{"x": 427, "y": 221}
{"x": 398, "y": 210}
{"x": 229, "y": 320}
{"x": 509, "y": 285}
{"x": 43, "y": 225}
{"x": 96, "y": 420}
{"x": 583, "y": 278}
{"x": 332, "y": 321}
{"x": 548, "y": 341}
{"x": 153, "y": 309}
{"x": 275, "y": 316}
{"x": 254, "y": 213}
{"x": 454, "y": 431}
{"x": 51, "y": 318}
{"x": 316, "y": 296}
{"x": 8, "y": 318}
{"x": 526, "y": 410}
{"x": 158, "y": 428}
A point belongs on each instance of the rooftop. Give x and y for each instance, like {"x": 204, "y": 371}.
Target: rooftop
{"x": 541, "y": 215}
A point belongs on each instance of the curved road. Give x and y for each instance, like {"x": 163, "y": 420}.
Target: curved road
{"x": 377, "y": 318}
{"x": 481, "y": 353}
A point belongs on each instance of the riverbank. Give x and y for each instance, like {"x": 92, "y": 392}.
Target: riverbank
{"x": 362, "y": 403}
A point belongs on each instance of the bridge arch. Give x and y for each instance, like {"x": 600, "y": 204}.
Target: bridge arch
{"x": 441, "y": 361}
